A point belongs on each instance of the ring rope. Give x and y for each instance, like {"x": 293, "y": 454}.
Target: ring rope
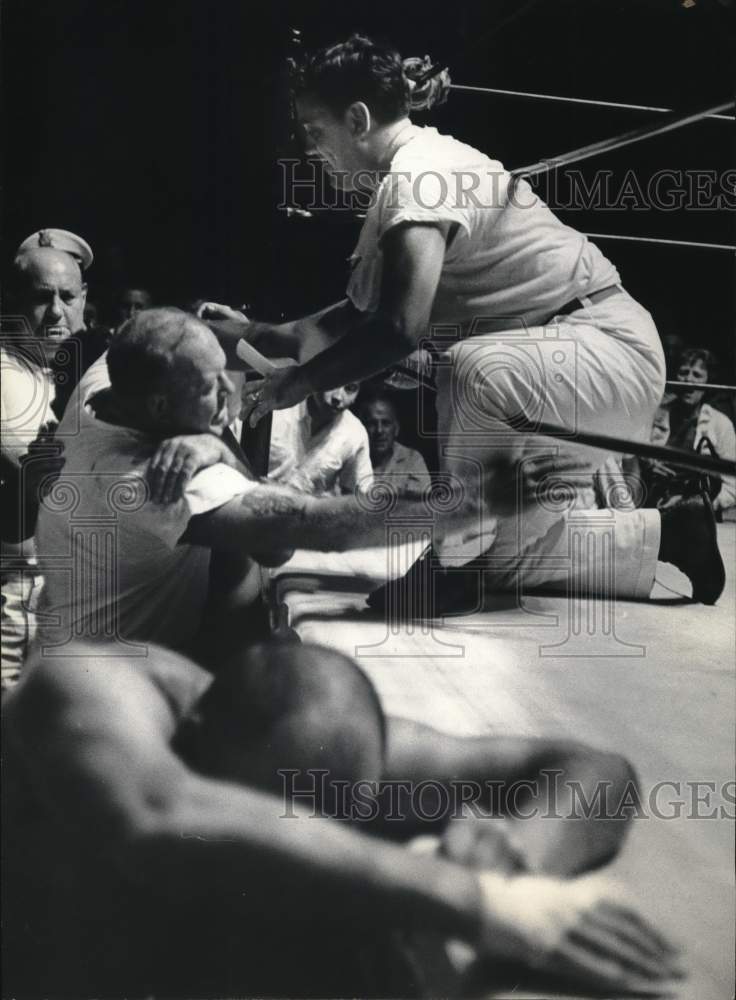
{"x": 575, "y": 100}
{"x": 618, "y": 142}
{"x": 693, "y": 460}
{"x": 701, "y": 385}
{"x": 656, "y": 239}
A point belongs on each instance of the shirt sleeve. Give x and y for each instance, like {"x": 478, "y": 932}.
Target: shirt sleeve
{"x": 423, "y": 195}
{"x": 215, "y": 486}
{"x": 207, "y": 490}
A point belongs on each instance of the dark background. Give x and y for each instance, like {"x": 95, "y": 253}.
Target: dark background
{"x": 152, "y": 129}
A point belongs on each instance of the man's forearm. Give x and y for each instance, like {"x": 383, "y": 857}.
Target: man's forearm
{"x": 373, "y": 344}
{"x": 299, "y": 339}
{"x": 252, "y": 847}
{"x": 273, "y": 516}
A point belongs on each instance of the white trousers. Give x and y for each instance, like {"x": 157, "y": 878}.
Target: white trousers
{"x": 600, "y": 369}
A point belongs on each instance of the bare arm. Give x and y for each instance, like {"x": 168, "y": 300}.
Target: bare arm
{"x": 274, "y": 516}
{"x": 106, "y": 771}
{"x": 556, "y": 793}
{"x": 413, "y": 258}
{"x": 299, "y": 339}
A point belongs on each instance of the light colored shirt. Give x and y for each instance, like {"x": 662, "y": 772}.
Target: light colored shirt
{"x": 27, "y": 393}
{"x": 405, "y": 471}
{"x": 113, "y": 560}
{"x": 334, "y": 460}
{"x": 511, "y": 260}
{"x": 26, "y": 396}
{"x": 719, "y": 430}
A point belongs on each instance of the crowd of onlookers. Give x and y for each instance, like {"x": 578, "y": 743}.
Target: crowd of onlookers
{"x": 328, "y": 445}
{"x": 140, "y": 566}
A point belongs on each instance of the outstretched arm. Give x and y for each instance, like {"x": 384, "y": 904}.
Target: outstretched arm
{"x": 561, "y": 798}
{"x": 106, "y": 771}
{"x": 413, "y": 255}
{"x": 299, "y": 339}
{"x": 272, "y": 516}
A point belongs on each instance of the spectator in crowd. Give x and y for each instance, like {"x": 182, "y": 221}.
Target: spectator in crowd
{"x": 695, "y": 424}
{"x": 129, "y": 302}
{"x": 159, "y": 844}
{"x": 655, "y": 482}
{"x": 393, "y": 463}
{"x": 47, "y": 294}
{"x": 319, "y": 446}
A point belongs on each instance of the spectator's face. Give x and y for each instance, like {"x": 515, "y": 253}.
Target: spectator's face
{"x": 661, "y": 427}
{"x": 334, "y": 401}
{"x": 382, "y": 426}
{"x": 696, "y": 373}
{"x": 53, "y": 297}
{"x": 201, "y": 390}
{"x": 91, "y": 315}
{"x": 132, "y": 301}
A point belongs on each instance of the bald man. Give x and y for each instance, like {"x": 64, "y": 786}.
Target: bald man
{"x": 400, "y": 467}
{"x": 154, "y": 844}
{"x": 47, "y": 294}
{"x": 168, "y": 382}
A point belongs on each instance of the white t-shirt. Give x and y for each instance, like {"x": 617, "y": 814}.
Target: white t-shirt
{"x": 511, "y": 260}
{"x": 111, "y": 557}
{"x": 26, "y": 395}
{"x": 334, "y": 460}
{"x": 27, "y": 392}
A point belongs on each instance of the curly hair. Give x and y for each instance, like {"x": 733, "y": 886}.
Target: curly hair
{"x": 358, "y": 69}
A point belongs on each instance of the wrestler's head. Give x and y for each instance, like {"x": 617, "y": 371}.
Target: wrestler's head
{"x": 283, "y": 707}
{"x": 345, "y": 96}
{"x": 168, "y": 365}
{"x": 379, "y": 416}
{"x": 694, "y": 366}
{"x": 47, "y": 289}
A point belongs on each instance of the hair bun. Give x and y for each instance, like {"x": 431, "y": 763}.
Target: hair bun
{"x": 428, "y": 84}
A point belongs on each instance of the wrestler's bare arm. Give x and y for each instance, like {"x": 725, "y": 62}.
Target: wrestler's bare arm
{"x": 105, "y": 768}
{"x": 542, "y": 785}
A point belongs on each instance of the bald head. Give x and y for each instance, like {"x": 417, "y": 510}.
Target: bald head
{"x": 169, "y": 364}
{"x": 378, "y": 414}
{"x": 48, "y": 290}
{"x": 291, "y": 707}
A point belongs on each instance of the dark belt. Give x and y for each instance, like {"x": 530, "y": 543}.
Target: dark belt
{"x": 574, "y": 304}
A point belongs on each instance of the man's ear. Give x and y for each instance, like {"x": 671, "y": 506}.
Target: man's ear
{"x": 358, "y": 119}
